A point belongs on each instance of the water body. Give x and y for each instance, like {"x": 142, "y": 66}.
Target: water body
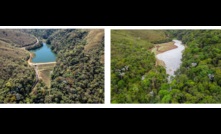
{"x": 43, "y": 54}
{"x": 172, "y": 58}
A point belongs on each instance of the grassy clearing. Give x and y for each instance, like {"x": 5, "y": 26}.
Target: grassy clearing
{"x": 7, "y": 50}
{"x": 138, "y": 38}
{"x": 94, "y": 41}
{"x": 160, "y": 48}
{"x": 45, "y": 76}
{"x": 46, "y": 66}
{"x": 123, "y": 42}
{"x": 93, "y": 38}
{"x": 141, "y": 38}
{"x": 16, "y": 37}
{"x": 148, "y": 35}
{"x": 45, "y": 73}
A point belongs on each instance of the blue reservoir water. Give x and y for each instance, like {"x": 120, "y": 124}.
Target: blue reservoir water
{"x": 43, "y": 54}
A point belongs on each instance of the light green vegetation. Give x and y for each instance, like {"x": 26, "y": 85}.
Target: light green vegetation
{"x": 136, "y": 79}
{"x": 134, "y": 76}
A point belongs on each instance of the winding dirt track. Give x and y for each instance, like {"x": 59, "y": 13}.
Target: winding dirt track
{"x": 31, "y": 64}
{"x": 35, "y": 65}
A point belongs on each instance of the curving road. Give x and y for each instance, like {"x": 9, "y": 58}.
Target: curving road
{"x": 36, "y": 42}
{"x": 36, "y": 39}
{"x": 35, "y": 65}
{"x": 33, "y": 44}
{"x": 31, "y": 64}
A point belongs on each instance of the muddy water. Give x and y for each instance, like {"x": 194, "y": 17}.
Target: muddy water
{"x": 172, "y": 58}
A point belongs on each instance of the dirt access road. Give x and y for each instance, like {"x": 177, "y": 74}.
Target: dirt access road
{"x": 35, "y": 65}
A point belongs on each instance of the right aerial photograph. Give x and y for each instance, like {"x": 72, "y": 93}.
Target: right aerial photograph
{"x": 165, "y": 66}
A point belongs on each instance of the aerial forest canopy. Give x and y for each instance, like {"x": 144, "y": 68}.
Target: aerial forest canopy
{"x": 136, "y": 78}
{"x": 78, "y": 75}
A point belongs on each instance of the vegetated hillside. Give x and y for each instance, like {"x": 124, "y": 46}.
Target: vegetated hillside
{"x": 78, "y": 76}
{"x": 16, "y": 77}
{"x": 153, "y": 36}
{"x": 197, "y": 81}
{"x": 40, "y": 33}
{"x": 17, "y": 38}
{"x": 199, "y": 78}
{"x": 134, "y": 76}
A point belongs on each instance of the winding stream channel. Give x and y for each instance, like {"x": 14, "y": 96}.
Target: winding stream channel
{"x": 172, "y": 58}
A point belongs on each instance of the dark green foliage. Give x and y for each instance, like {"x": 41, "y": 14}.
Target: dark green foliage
{"x": 78, "y": 76}
{"x": 195, "y": 84}
{"x": 38, "y": 95}
{"x": 62, "y": 38}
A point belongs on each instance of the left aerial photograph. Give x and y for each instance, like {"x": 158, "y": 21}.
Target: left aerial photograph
{"x": 51, "y": 66}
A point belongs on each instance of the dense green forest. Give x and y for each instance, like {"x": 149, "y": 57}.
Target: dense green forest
{"x": 78, "y": 76}
{"x": 79, "y": 71}
{"x": 136, "y": 79}
{"x": 200, "y": 83}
